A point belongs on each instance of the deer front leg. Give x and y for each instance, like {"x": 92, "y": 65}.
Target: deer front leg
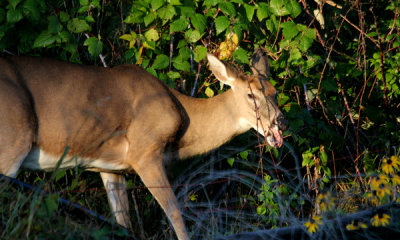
{"x": 154, "y": 177}
{"x": 117, "y": 197}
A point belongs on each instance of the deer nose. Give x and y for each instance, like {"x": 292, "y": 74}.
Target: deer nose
{"x": 283, "y": 124}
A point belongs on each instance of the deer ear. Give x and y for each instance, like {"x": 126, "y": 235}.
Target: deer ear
{"x": 222, "y": 72}
{"x": 259, "y": 64}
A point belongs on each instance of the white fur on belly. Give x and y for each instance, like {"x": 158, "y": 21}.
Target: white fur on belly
{"x": 38, "y": 159}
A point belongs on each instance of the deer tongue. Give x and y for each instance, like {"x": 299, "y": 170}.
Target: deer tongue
{"x": 277, "y": 136}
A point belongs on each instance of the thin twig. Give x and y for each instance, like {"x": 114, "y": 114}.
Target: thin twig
{"x": 139, "y": 220}
{"x": 327, "y": 59}
{"x": 171, "y": 50}
{"x": 195, "y": 80}
{"x": 358, "y": 29}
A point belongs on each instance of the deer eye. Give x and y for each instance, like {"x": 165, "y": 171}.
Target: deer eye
{"x": 251, "y": 96}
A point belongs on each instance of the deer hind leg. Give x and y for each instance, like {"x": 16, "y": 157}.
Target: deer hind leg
{"x": 117, "y": 197}
{"x": 11, "y": 157}
{"x": 17, "y": 128}
{"x": 152, "y": 172}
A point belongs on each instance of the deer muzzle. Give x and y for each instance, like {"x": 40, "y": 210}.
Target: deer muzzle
{"x": 274, "y": 136}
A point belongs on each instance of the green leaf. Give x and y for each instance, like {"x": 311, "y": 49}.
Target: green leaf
{"x": 54, "y": 25}
{"x": 324, "y": 157}
{"x": 175, "y": 2}
{"x": 305, "y": 43}
{"x": 184, "y": 52}
{"x": 149, "y": 45}
{"x": 307, "y": 158}
{"x": 187, "y": 10}
{"x": 51, "y": 203}
{"x": 282, "y": 99}
{"x": 149, "y": 18}
{"x": 312, "y": 60}
{"x": 179, "y": 25}
{"x": 261, "y": 210}
{"x": 31, "y": 9}
{"x": 193, "y": 197}
{"x": 295, "y": 56}
{"x": 44, "y": 39}
{"x": 211, "y": 13}
{"x": 221, "y": 23}
{"x": 227, "y": 8}
{"x": 152, "y": 72}
{"x": 279, "y": 9}
{"x": 64, "y": 17}
{"x": 294, "y": 8}
{"x": 156, "y": 4}
{"x": 60, "y": 174}
{"x": 200, "y": 53}
{"x": 328, "y": 172}
{"x": 84, "y": 2}
{"x": 89, "y": 19}
{"x": 134, "y": 17}
{"x": 308, "y": 32}
{"x": 237, "y": 29}
{"x": 83, "y": 9}
{"x": 145, "y": 63}
{"x": 192, "y": 35}
{"x": 241, "y": 55}
{"x": 181, "y": 64}
{"x": 230, "y": 161}
{"x": 95, "y": 4}
{"x": 211, "y": 3}
{"x": 77, "y": 25}
{"x": 95, "y": 46}
{"x": 173, "y": 75}
{"x": 152, "y": 35}
{"x": 325, "y": 180}
{"x": 244, "y": 155}
{"x": 199, "y": 22}
{"x": 161, "y": 62}
{"x": 14, "y": 3}
{"x": 272, "y": 24}
{"x": 182, "y": 44}
{"x": 63, "y": 36}
{"x": 249, "y": 11}
{"x": 289, "y": 30}
{"x": 311, "y": 33}
{"x": 14, "y": 16}
{"x": 166, "y": 13}
{"x": 131, "y": 37}
{"x": 262, "y": 11}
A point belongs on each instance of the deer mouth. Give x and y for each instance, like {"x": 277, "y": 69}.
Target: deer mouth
{"x": 274, "y": 136}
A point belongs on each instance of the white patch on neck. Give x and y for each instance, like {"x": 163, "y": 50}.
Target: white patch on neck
{"x": 260, "y": 130}
{"x": 243, "y": 125}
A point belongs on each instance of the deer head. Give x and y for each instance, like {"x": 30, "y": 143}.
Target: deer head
{"x": 255, "y": 96}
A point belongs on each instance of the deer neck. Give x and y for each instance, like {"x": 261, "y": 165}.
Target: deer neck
{"x": 212, "y": 122}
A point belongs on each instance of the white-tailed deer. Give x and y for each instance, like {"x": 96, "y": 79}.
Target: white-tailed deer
{"x": 122, "y": 119}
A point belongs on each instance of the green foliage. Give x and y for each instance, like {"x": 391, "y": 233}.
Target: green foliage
{"x": 275, "y": 201}
{"x": 28, "y": 214}
{"x": 338, "y": 79}
{"x": 95, "y": 46}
